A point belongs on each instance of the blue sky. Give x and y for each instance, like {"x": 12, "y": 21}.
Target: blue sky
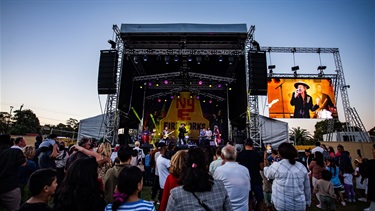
{"x": 50, "y": 49}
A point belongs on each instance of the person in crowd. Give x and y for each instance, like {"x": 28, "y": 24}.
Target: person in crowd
{"x": 163, "y": 163}
{"x": 10, "y": 160}
{"x": 360, "y": 183}
{"x": 253, "y": 161}
{"x": 302, "y": 102}
{"x": 114, "y": 153}
{"x": 19, "y": 143}
{"x": 348, "y": 184}
{"x": 367, "y": 170}
{"x": 331, "y": 152}
{"x": 80, "y": 189}
{"x": 335, "y": 180}
{"x": 148, "y": 178}
{"x": 316, "y": 167}
{"x": 325, "y": 152}
{"x": 291, "y": 186}
{"x": 317, "y": 148}
{"x": 217, "y": 161}
{"x": 155, "y": 190}
{"x": 111, "y": 177}
{"x": 105, "y": 150}
{"x": 324, "y": 189}
{"x": 60, "y": 161}
{"x": 42, "y": 185}
{"x": 38, "y": 141}
{"x": 198, "y": 189}
{"x": 344, "y": 160}
{"x": 267, "y": 184}
{"x": 126, "y": 196}
{"x": 309, "y": 157}
{"x": 177, "y": 166}
{"x": 24, "y": 172}
{"x": 231, "y": 171}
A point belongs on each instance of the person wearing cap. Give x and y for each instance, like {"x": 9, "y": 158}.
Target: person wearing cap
{"x": 302, "y": 102}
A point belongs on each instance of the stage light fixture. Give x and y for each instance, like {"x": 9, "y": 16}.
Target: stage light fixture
{"x": 295, "y": 68}
{"x": 271, "y": 67}
{"x": 141, "y": 87}
{"x": 190, "y": 58}
{"x": 219, "y": 85}
{"x": 346, "y": 86}
{"x": 135, "y": 59}
{"x": 172, "y": 96}
{"x": 173, "y": 82}
{"x": 145, "y": 58}
{"x": 199, "y": 59}
{"x": 321, "y": 67}
{"x": 176, "y": 58}
{"x": 149, "y": 83}
{"x": 113, "y": 44}
{"x": 204, "y": 101}
{"x": 210, "y": 85}
{"x": 159, "y": 100}
{"x": 165, "y": 82}
{"x": 157, "y": 84}
{"x": 210, "y": 101}
{"x": 200, "y": 82}
{"x": 165, "y": 100}
{"x": 197, "y": 97}
{"x": 230, "y": 88}
{"x": 166, "y": 59}
{"x": 230, "y": 60}
{"x": 220, "y": 58}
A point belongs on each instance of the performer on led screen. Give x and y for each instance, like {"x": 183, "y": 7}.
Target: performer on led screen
{"x": 302, "y": 102}
{"x": 324, "y": 101}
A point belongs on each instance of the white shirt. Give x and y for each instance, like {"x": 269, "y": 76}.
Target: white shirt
{"x": 291, "y": 185}
{"x": 16, "y": 147}
{"x": 317, "y": 149}
{"x": 163, "y": 166}
{"x": 236, "y": 179}
{"x": 214, "y": 164}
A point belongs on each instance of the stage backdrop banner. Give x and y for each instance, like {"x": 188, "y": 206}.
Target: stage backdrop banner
{"x": 187, "y": 110}
{"x": 281, "y": 91}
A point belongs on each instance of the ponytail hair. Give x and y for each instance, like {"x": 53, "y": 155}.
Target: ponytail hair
{"x": 287, "y": 151}
{"x": 127, "y": 185}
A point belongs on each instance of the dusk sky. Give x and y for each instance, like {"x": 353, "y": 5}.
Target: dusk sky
{"x": 50, "y": 49}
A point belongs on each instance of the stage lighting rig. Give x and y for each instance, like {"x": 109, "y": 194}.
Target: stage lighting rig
{"x": 295, "y": 68}
{"x": 112, "y": 43}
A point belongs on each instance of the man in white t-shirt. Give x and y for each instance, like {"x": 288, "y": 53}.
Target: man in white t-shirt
{"x": 317, "y": 148}
{"x": 236, "y": 179}
{"x": 163, "y": 165}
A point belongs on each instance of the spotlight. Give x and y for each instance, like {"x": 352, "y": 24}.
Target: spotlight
{"x": 145, "y": 58}
{"x": 197, "y": 97}
{"x": 230, "y": 60}
{"x": 230, "y": 88}
{"x": 219, "y": 85}
{"x": 135, "y": 59}
{"x": 165, "y": 100}
{"x": 172, "y": 96}
{"x": 220, "y": 58}
{"x": 199, "y": 59}
{"x": 176, "y": 58}
{"x": 165, "y": 82}
{"x": 157, "y": 84}
{"x": 149, "y": 83}
{"x": 322, "y": 67}
{"x": 190, "y": 58}
{"x": 271, "y": 67}
{"x": 200, "y": 82}
{"x": 141, "y": 87}
{"x": 204, "y": 101}
{"x": 159, "y": 100}
{"x": 210, "y": 101}
{"x": 295, "y": 68}
{"x": 113, "y": 44}
{"x": 166, "y": 59}
{"x": 210, "y": 85}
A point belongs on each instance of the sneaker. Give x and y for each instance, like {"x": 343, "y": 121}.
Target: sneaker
{"x": 343, "y": 203}
{"x": 319, "y": 206}
{"x": 362, "y": 199}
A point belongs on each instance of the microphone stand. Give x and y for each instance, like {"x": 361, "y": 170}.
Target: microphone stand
{"x": 282, "y": 97}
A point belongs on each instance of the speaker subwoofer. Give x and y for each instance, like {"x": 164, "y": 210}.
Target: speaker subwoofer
{"x": 257, "y": 72}
{"x": 107, "y": 78}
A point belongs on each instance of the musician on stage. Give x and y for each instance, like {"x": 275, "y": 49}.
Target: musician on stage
{"x": 202, "y": 137}
{"x": 181, "y": 135}
{"x": 217, "y": 137}
{"x": 323, "y": 100}
{"x": 166, "y": 134}
{"x": 301, "y": 101}
{"x": 209, "y": 135}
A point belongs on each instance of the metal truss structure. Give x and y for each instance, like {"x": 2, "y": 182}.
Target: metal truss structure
{"x": 351, "y": 116}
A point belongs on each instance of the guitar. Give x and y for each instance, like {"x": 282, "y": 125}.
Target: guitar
{"x": 166, "y": 135}
{"x": 273, "y": 102}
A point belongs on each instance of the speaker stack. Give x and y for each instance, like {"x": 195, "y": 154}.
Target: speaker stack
{"x": 107, "y": 78}
{"x": 257, "y": 72}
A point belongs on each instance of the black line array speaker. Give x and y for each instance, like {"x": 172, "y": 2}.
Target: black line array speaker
{"x": 257, "y": 72}
{"x": 107, "y": 78}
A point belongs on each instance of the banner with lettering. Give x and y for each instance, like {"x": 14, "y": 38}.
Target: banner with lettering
{"x": 185, "y": 109}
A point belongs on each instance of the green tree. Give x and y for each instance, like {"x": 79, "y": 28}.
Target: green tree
{"x": 73, "y": 123}
{"x": 300, "y": 136}
{"x": 4, "y": 122}
{"x": 321, "y": 128}
{"x": 25, "y": 121}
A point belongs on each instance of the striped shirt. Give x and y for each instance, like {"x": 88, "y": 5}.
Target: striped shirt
{"x": 140, "y": 205}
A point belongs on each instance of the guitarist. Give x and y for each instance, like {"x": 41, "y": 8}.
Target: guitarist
{"x": 166, "y": 134}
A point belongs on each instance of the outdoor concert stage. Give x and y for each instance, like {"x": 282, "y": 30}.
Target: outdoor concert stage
{"x": 184, "y": 73}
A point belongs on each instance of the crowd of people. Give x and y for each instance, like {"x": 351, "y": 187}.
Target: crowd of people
{"x": 88, "y": 177}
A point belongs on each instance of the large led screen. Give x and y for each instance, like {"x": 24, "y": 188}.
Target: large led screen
{"x": 301, "y": 98}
